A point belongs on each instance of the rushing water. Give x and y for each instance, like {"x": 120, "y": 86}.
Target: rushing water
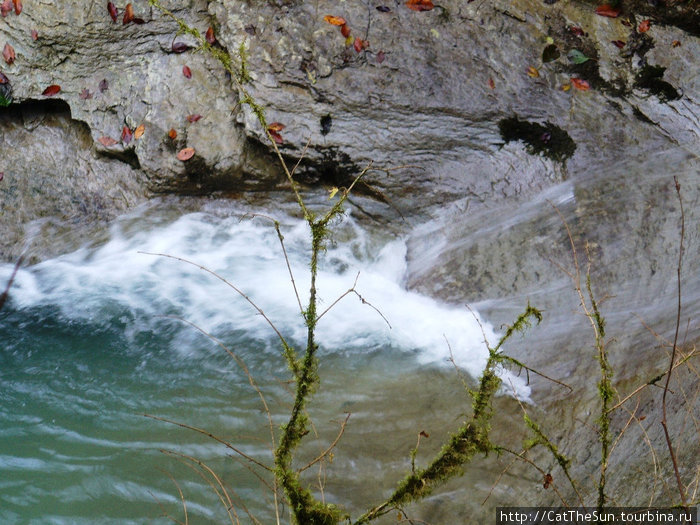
{"x": 94, "y": 339}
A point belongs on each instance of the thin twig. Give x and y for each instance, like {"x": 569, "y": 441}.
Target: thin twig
{"x": 330, "y": 447}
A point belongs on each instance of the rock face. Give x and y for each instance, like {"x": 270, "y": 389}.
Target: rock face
{"x": 491, "y": 112}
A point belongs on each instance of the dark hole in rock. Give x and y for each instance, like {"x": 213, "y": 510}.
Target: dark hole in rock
{"x": 326, "y": 123}
{"x": 649, "y": 79}
{"x": 545, "y": 139}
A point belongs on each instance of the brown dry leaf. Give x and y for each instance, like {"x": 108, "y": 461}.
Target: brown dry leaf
{"x": 180, "y": 47}
{"x": 532, "y": 72}
{"x": 210, "y": 37}
{"x": 128, "y": 14}
{"x": 676, "y": 43}
{"x": 18, "y": 6}
{"x": 107, "y": 141}
{"x": 492, "y": 84}
{"x": 608, "y": 10}
{"x": 547, "y": 481}
{"x": 185, "y": 154}
{"x": 345, "y": 30}
{"x": 193, "y": 118}
{"x": 8, "y": 53}
{"x": 275, "y": 127}
{"x": 113, "y": 13}
{"x": 334, "y": 20}
{"x": 172, "y": 134}
{"x": 52, "y": 90}
{"x": 420, "y": 5}
{"x": 138, "y": 132}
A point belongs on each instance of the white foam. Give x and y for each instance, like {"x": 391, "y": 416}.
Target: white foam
{"x": 94, "y": 283}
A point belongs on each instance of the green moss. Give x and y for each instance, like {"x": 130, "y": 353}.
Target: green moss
{"x": 546, "y": 139}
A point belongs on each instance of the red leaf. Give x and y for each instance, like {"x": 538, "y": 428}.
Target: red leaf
{"x": 127, "y": 135}
{"x": 6, "y": 7}
{"x": 128, "y": 14}
{"x": 172, "y": 134}
{"x": 576, "y": 30}
{"x": 334, "y": 20}
{"x": 107, "y": 141}
{"x": 345, "y": 30}
{"x": 85, "y": 94}
{"x": 275, "y": 127}
{"x": 420, "y": 5}
{"x": 18, "y": 6}
{"x": 357, "y": 44}
{"x": 492, "y": 84}
{"x": 35, "y": 35}
{"x": 209, "y": 36}
{"x": 581, "y": 84}
{"x": 644, "y": 26}
{"x": 52, "y": 90}
{"x": 3, "y": 78}
{"x": 608, "y": 10}
{"x": 619, "y": 43}
{"x": 187, "y": 72}
{"x": 112, "y": 11}
{"x": 8, "y": 54}
{"x": 185, "y": 154}
{"x": 193, "y": 118}
{"x": 180, "y": 47}
{"x": 276, "y": 137}
{"x": 103, "y": 85}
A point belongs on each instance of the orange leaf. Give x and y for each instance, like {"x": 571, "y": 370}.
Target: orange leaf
{"x": 211, "y": 39}
{"x": 18, "y": 6}
{"x": 128, "y": 14}
{"x": 345, "y": 30}
{"x": 112, "y": 11}
{"x": 138, "y": 132}
{"x": 185, "y": 154}
{"x": 608, "y": 10}
{"x": 275, "y": 127}
{"x": 193, "y": 118}
{"x": 8, "y": 54}
{"x": 172, "y": 134}
{"x": 334, "y": 20}
{"x": 644, "y": 26}
{"x": 357, "y": 44}
{"x": 420, "y": 5}
{"x": 107, "y": 141}
{"x": 676, "y": 43}
{"x": 581, "y": 84}
{"x": 127, "y": 135}
{"x": 187, "y": 72}
{"x": 52, "y": 90}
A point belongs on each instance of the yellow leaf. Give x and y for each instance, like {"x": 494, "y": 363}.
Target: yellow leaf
{"x": 332, "y": 192}
{"x": 532, "y": 72}
{"x": 566, "y": 87}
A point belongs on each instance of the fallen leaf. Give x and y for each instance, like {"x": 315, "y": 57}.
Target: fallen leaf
{"x": 18, "y": 6}
{"x": 676, "y": 43}
{"x": 548, "y": 479}
{"x": 8, "y": 53}
{"x": 187, "y": 72}
{"x": 113, "y": 13}
{"x": 193, "y": 118}
{"x": 424, "y": 434}
{"x": 85, "y": 94}
{"x": 420, "y": 5}
{"x": 107, "y": 141}
{"x": 533, "y": 72}
{"x": 345, "y": 30}
{"x": 642, "y": 418}
{"x": 608, "y": 10}
{"x": 172, "y": 134}
{"x": 357, "y": 44}
{"x": 566, "y": 87}
{"x": 180, "y": 47}
{"x": 348, "y": 41}
{"x": 138, "y": 132}
{"x": 576, "y": 30}
{"x": 103, "y": 85}
{"x": 381, "y": 56}
{"x": 35, "y": 35}
{"x": 6, "y": 7}
{"x": 334, "y": 20}
{"x": 128, "y": 14}
{"x": 580, "y": 84}
{"x": 644, "y": 26}
{"x": 275, "y": 127}
{"x": 577, "y": 57}
{"x": 3, "y": 78}
{"x": 185, "y": 154}
{"x": 209, "y": 36}
{"x": 492, "y": 84}
{"x": 383, "y": 9}
{"x": 52, "y": 90}
{"x": 332, "y": 192}
{"x": 127, "y": 135}
{"x": 618, "y": 43}
{"x": 276, "y": 137}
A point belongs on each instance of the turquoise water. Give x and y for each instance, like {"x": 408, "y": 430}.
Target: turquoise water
{"x": 95, "y": 339}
